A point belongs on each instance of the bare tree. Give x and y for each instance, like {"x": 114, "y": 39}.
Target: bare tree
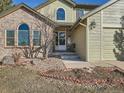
{"x": 47, "y": 38}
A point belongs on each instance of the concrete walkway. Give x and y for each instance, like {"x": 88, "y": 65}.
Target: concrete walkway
{"x": 72, "y": 60}
{"x": 77, "y": 64}
{"x": 83, "y": 64}
{"x": 116, "y": 63}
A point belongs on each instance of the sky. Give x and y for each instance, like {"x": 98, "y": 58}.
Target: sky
{"x": 34, "y": 3}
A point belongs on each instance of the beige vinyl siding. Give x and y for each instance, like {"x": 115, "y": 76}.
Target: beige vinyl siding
{"x": 50, "y": 11}
{"x": 94, "y": 38}
{"x": 108, "y": 44}
{"x": 111, "y": 23}
{"x": 100, "y": 39}
{"x": 113, "y": 13}
{"x": 79, "y": 38}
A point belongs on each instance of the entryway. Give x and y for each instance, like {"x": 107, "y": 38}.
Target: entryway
{"x": 68, "y": 56}
{"x": 72, "y": 60}
{"x": 60, "y": 44}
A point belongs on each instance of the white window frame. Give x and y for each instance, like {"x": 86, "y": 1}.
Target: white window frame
{"x": 57, "y": 46}
{"x": 33, "y": 37}
{"x": 16, "y": 32}
{"x": 18, "y": 39}
{"x": 56, "y": 15}
{"x": 5, "y": 39}
{"x": 78, "y": 10}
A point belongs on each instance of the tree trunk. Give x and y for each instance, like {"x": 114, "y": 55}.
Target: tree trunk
{"x": 45, "y": 53}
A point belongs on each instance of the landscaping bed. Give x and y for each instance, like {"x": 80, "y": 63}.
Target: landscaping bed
{"x": 42, "y": 65}
{"x": 98, "y": 75}
{"x": 86, "y": 73}
{"x": 18, "y": 79}
{"x": 47, "y": 64}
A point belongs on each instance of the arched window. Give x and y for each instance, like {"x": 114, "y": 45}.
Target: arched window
{"x": 60, "y": 14}
{"x": 23, "y": 35}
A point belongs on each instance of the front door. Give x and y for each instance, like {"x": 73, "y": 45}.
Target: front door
{"x": 60, "y": 41}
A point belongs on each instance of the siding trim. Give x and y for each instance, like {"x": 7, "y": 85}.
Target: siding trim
{"x": 101, "y": 45}
{"x": 5, "y": 38}
{"x": 112, "y": 26}
{"x": 87, "y": 40}
{"x": 82, "y": 24}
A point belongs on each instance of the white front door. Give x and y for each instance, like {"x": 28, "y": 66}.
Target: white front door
{"x": 60, "y": 41}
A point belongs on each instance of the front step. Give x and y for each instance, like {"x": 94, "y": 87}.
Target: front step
{"x": 67, "y": 56}
{"x": 73, "y": 57}
{"x": 63, "y": 53}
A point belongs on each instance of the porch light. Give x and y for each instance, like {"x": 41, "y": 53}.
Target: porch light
{"x": 122, "y": 21}
{"x": 92, "y": 25}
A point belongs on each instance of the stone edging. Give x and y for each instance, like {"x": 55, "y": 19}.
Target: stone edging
{"x": 77, "y": 81}
{"x": 91, "y": 82}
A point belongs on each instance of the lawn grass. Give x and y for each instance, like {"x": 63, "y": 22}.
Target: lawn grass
{"x": 20, "y": 80}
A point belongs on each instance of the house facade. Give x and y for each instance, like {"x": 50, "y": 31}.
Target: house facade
{"x": 90, "y": 29}
{"x": 101, "y": 35}
{"x": 22, "y": 26}
{"x": 19, "y": 27}
{"x": 64, "y": 13}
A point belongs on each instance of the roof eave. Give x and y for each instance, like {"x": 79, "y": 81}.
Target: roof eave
{"x": 86, "y": 6}
{"x": 30, "y": 9}
{"x": 75, "y": 24}
{"x": 49, "y": 2}
{"x": 92, "y": 12}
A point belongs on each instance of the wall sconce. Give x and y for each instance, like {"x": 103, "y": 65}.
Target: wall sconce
{"x": 122, "y": 21}
{"x": 92, "y": 25}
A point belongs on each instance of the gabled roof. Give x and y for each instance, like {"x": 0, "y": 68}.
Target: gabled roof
{"x": 94, "y": 12}
{"x": 51, "y": 1}
{"x": 22, "y": 5}
{"x": 87, "y": 6}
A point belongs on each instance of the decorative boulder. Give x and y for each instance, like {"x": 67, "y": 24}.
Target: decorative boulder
{"x": 8, "y": 60}
{"x": 36, "y": 61}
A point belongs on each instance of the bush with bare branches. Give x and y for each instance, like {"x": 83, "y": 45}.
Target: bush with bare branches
{"x": 47, "y": 39}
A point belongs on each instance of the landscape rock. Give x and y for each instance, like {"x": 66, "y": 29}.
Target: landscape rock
{"x": 36, "y": 61}
{"x": 47, "y": 64}
{"x": 8, "y": 60}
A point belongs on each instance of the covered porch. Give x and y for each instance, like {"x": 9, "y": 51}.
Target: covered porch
{"x": 62, "y": 37}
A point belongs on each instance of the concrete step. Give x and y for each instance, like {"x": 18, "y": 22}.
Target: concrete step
{"x": 67, "y": 56}
{"x": 63, "y": 53}
{"x": 74, "y": 57}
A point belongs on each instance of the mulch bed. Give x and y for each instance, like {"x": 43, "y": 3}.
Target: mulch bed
{"x": 98, "y": 72}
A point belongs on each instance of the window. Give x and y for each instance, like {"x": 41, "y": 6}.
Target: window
{"x": 10, "y": 34}
{"x": 79, "y": 13}
{"x": 62, "y": 38}
{"x": 56, "y": 38}
{"x": 36, "y": 38}
{"x": 23, "y": 35}
{"x": 60, "y": 14}
{"x": 87, "y": 11}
